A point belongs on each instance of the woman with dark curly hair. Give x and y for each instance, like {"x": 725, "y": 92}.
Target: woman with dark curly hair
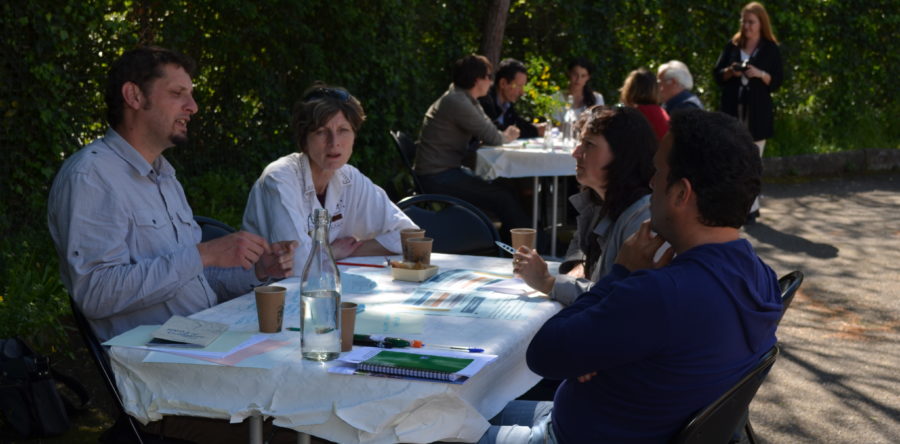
{"x": 614, "y": 163}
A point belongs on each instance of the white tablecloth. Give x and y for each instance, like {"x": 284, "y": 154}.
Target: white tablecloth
{"x": 301, "y": 395}
{"x": 524, "y": 158}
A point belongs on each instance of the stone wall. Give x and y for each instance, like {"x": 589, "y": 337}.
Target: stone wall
{"x": 832, "y": 163}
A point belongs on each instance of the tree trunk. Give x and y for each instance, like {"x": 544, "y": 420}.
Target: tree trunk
{"x": 494, "y": 27}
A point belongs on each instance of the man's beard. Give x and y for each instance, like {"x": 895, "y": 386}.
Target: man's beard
{"x": 179, "y": 139}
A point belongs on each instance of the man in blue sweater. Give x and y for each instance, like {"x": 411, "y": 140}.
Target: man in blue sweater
{"x": 655, "y": 341}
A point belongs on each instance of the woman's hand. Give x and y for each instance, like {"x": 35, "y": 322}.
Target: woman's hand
{"x": 533, "y": 270}
{"x": 344, "y": 247}
{"x": 753, "y": 72}
{"x": 731, "y": 71}
{"x": 577, "y": 271}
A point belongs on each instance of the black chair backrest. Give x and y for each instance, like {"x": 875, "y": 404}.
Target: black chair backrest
{"x": 456, "y": 226}
{"x": 717, "y": 423}
{"x": 212, "y": 228}
{"x": 407, "y": 149}
{"x": 98, "y": 354}
{"x": 789, "y": 285}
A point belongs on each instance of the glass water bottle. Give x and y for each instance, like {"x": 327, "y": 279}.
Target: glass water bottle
{"x": 569, "y": 119}
{"x": 320, "y": 296}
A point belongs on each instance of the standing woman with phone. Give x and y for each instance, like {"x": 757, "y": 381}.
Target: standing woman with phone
{"x": 748, "y": 70}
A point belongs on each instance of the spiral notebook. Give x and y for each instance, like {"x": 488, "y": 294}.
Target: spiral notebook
{"x": 442, "y": 368}
{"x": 419, "y": 364}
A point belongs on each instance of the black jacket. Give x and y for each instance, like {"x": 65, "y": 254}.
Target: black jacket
{"x": 758, "y": 98}
{"x": 510, "y": 117}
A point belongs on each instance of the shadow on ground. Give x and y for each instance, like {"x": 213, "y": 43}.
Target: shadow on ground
{"x": 789, "y": 242}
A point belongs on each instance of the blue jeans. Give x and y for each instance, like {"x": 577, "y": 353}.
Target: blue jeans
{"x": 522, "y": 422}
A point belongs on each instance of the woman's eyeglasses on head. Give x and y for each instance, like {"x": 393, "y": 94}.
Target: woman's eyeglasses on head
{"x": 321, "y": 93}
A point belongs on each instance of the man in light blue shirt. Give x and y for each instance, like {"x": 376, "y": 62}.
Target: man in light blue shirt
{"x": 129, "y": 249}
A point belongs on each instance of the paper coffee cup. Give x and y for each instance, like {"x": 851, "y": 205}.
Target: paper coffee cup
{"x": 523, "y": 237}
{"x": 405, "y": 235}
{"x": 348, "y": 324}
{"x": 420, "y": 250}
{"x": 270, "y": 307}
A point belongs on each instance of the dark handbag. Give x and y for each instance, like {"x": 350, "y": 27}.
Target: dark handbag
{"x": 29, "y": 399}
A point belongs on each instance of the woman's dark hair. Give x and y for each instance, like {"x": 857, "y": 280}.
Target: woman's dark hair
{"x": 320, "y": 103}
{"x": 716, "y": 154}
{"x": 469, "y": 69}
{"x": 587, "y": 93}
{"x": 640, "y": 88}
{"x": 139, "y": 66}
{"x": 633, "y": 144}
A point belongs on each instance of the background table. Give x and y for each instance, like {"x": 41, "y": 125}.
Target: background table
{"x": 301, "y": 395}
{"x": 529, "y": 158}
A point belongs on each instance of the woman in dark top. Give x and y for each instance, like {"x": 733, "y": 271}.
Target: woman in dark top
{"x": 748, "y": 70}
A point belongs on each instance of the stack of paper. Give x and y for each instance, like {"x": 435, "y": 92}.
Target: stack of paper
{"x": 230, "y": 348}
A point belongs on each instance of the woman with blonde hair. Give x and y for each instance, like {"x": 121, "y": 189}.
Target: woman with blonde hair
{"x": 748, "y": 71}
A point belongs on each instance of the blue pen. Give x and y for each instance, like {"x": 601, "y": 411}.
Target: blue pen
{"x": 457, "y": 347}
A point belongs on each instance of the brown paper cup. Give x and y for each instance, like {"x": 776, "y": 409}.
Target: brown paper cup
{"x": 420, "y": 250}
{"x": 348, "y": 324}
{"x": 523, "y": 237}
{"x": 406, "y": 234}
{"x": 270, "y": 307}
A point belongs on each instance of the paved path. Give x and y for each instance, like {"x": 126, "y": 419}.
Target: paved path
{"x": 838, "y": 378}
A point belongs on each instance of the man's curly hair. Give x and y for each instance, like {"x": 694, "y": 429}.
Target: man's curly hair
{"x": 717, "y": 155}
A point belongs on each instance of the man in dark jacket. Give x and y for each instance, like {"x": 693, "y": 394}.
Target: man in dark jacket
{"x": 499, "y": 103}
{"x": 675, "y": 83}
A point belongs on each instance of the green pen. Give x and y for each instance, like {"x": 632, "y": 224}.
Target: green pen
{"x": 394, "y": 342}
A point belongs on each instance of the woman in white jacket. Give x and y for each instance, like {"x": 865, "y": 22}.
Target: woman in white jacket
{"x": 364, "y": 222}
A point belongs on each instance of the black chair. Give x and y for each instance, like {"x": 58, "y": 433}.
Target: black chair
{"x": 716, "y": 424}
{"x": 789, "y": 285}
{"x": 456, "y": 226}
{"x": 126, "y": 428}
{"x": 407, "y": 149}
{"x": 212, "y": 228}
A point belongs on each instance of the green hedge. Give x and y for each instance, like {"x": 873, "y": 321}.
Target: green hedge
{"x": 257, "y": 57}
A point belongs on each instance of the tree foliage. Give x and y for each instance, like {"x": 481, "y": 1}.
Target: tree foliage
{"x": 256, "y": 58}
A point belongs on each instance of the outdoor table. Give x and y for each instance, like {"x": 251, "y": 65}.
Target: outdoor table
{"x": 529, "y": 158}
{"x": 301, "y": 394}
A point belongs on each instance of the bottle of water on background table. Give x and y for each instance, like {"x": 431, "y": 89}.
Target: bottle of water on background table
{"x": 320, "y": 296}
{"x": 569, "y": 121}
